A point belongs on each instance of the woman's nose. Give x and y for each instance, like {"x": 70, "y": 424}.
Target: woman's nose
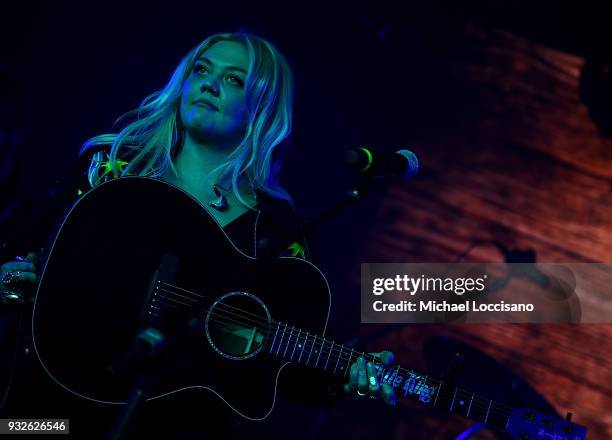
{"x": 210, "y": 86}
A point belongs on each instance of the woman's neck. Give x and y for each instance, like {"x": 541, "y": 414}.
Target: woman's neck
{"x": 195, "y": 166}
{"x": 195, "y": 163}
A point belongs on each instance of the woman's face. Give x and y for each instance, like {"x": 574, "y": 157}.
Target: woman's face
{"x": 213, "y": 103}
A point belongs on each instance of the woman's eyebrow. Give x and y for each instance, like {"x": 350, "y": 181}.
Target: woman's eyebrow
{"x": 207, "y": 61}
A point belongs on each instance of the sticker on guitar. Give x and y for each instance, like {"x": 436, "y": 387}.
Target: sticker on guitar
{"x": 414, "y": 384}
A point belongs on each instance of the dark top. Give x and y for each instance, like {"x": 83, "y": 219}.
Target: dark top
{"x": 31, "y": 393}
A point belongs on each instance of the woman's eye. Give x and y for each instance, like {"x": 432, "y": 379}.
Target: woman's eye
{"x": 200, "y": 68}
{"x": 233, "y": 79}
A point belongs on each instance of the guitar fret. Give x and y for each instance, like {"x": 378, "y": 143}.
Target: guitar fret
{"x": 396, "y": 372}
{"x": 497, "y": 417}
{"x": 329, "y": 355}
{"x": 296, "y": 344}
{"x": 274, "y": 340}
{"x": 479, "y": 408}
{"x": 303, "y": 347}
{"x": 280, "y": 343}
{"x": 437, "y": 393}
{"x": 470, "y": 407}
{"x": 347, "y": 369}
{"x": 425, "y": 383}
{"x": 338, "y": 360}
{"x": 311, "y": 348}
{"x": 389, "y": 379}
{"x": 320, "y": 351}
{"x": 288, "y": 342}
{"x": 462, "y": 397}
{"x": 488, "y": 410}
{"x": 453, "y": 402}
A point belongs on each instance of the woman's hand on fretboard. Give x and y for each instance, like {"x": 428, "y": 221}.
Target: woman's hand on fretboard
{"x": 363, "y": 380}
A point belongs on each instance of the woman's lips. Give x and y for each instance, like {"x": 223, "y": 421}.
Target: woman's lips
{"x": 206, "y": 104}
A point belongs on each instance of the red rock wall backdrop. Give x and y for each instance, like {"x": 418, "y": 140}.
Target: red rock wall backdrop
{"x": 525, "y": 166}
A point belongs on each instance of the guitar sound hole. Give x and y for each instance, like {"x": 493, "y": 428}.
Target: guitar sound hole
{"x": 236, "y": 325}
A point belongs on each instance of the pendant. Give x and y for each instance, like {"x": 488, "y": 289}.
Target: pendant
{"x": 220, "y": 204}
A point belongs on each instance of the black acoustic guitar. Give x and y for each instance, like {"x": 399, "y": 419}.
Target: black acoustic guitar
{"x": 140, "y": 276}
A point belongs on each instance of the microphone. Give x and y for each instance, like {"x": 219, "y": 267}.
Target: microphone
{"x": 402, "y": 163}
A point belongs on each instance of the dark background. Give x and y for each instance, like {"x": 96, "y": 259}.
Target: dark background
{"x": 507, "y": 104}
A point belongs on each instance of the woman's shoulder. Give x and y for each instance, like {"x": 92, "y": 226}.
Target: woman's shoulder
{"x": 281, "y": 222}
{"x": 280, "y": 211}
{"x": 95, "y": 166}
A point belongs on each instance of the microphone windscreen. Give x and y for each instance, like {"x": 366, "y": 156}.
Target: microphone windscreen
{"x": 360, "y": 160}
{"x": 412, "y": 167}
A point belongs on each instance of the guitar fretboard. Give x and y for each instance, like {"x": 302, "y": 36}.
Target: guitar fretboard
{"x": 293, "y": 344}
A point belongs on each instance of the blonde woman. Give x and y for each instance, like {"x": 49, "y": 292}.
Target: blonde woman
{"x": 216, "y": 131}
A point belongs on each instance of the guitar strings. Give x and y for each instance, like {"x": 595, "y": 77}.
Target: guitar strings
{"x": 478, "y": 403}
{"x": 261, "y": 320}
{"x": 475, "y": 399}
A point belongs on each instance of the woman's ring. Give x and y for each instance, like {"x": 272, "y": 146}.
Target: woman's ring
{"x": 10, "y": 277}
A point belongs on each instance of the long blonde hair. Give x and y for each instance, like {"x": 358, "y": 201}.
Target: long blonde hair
{"x": 152, "y": 134}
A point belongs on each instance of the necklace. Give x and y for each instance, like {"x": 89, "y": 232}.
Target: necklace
{"x": 220, "y": 203}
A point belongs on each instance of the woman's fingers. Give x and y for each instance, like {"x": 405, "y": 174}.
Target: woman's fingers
{"x": 354, "y": 376}
{"x": 27, "y": 276}
{"x": 363, "y": 379}
{"x": 388, "y": 394}
{"x": 372, "y": 381}
{"x": 363, "y": 385}
{"x": 18, "y": 276}
{"x": 387, "y": 357}
{"x": 13, "y": 266}
{"x": 351, "y": 386}
{"x": 22, "y": 270}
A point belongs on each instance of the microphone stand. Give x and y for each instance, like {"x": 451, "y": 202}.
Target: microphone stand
{"x": 137, "y": 362}
{"x": 146, "y": 345}
{"x": 310, "y": 226}
{"x": 352, "y": 197}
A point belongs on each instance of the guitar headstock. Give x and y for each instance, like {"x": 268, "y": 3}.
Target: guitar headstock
{"x": 527, "y": 424}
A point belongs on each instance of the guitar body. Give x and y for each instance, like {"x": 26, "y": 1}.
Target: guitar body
{"x": 139, "y": 255}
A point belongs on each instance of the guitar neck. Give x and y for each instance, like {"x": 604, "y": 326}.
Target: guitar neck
{"x": 292, "y": 344}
